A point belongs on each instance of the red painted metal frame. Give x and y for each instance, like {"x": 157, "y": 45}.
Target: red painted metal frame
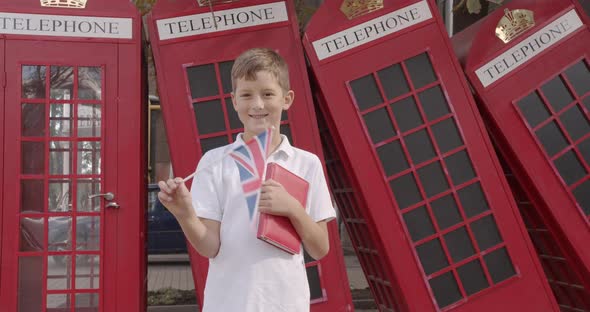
{"x": 3, "y": 119}
{"x": 333, "y": 74}
{"x": 173, "y": 57}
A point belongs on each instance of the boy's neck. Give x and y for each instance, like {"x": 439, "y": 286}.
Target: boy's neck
{"x": 275, "y": 142}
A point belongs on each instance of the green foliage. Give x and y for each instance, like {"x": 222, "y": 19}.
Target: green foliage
{"x": 171, "y": 296}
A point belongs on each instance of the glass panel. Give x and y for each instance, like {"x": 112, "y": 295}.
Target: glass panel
{"x": 62, "y": 82}
{"x": 33, "y": 157}
{"x": 87, "y": 187}
{"x": 420, "y": 70}
{"x": 379, "y": 125}
{"x": 584, "y": 148}
{"x": 459, "y": 167}
{"x": 365, "y": 92}
{"x": 89, "y": 159}
{"x": 59, "y": 273}
{"x": 88, "y": 233}
{"x": 473, "y": 200}
{"x": 433, "y": 179}
{"x": 392, "y": 158}
{"x": 60, "y": 120}
{"x": 445, "y": 211}
{"x": 232, "y": 115}
{"x": 60, "y": 234}
{"x": 406, "y": 114}
{"x": 33, "y": 120}
{"x": 472, "y": 277}
{"x": 579, "y": 76}
{"x": 89, "y": 120}
{"x": 405, "y": 190}
{"x": 89, "y": 83}
{"x": 315, "y": 286}
{"x": 59, "y": 195}
{"x": 586, "y": 102}
{"x": 60, "y": 153}
{"x": 209, "y": 116}
{"x": 59, "y": 302}
{"x": 211, "y": 143}
{"x": 33, "y": 82}
{"x": 499, "y": 265}
{"x": 225, "y": 72}
{"x": 582, "y": 195}
{"x": 419, "y": 223}
{"x": 87, "y": 302}
{"x": 434, "y": 103}
{"x": 486, "y": 232}
{"x": 30, "y": 286}
{"x": 87, "y": 272}
{"x": 445, "y": 289}
{"x": 432, "y": 256}
{"x": 447, "y": 135}
{"x": 160, "y": 165}
{"x": 551, "y": 138}
{"x": 533, "y": 109}
{"x": 32, "y": 234}
{"x": 459, "y": 244}
{"x": 557, "y": 94}
{"x": 575, "y": 123}
{"x": 569, "y": 167}
{"x": 286, "y": 130}
{"x": 31, "y": 196}
{"x": 202, "y": 80}
{"x": 393, "y": 81}
{"x": 419, "y": 146}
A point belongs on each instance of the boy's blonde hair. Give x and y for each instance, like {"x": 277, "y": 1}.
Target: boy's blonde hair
{"x": 250, "y": 62}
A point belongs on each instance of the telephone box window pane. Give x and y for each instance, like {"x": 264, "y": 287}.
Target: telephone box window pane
{"x": 60, "y": 120}
{"x": 33, "y": 82}
{"x": 89, "y": 120}
{"x": 473, "y": 200}
{"x": 87, "y": 301}
{"x": 225, "y": 73}
{"x": 432, "y": 256}
{"x": 557, "y": 94}
{"x": 209, "y": 116}
{"x": 569, "y": 167}
{"x": 59, "y": 302}
{"x": 379, "y": 125}
{"x": 445, "y": 211}
{"x": 315, "y": 285}
{"x": 211, "y": 143}
{"x": 32, "y": 235}
{"x": 87, "y": 187}
{"x": 420, "y": 70}
{"x": 551, "y": 138}
{"x": 60, "y": 238}
{"x": 434, "y": 103}
{"x": 286, "y": 130}
{"x": 587, "y": 103}
{"x": 89, "y": 159}
{"x": 445, "y": 289}
{"x": 60, "y": 154}
{"x": 32, "y": 157}
{"x": 88, "y": 233}
{"x": 62, "y": 82}
{"x": 87, "y": 272}
{"x": 584, "y": 148}
{"x": 202, "y": 80}
{"x": 447, "y": 135}
{"x": 406, "y": 114}
{"x": 59, "y": 195}
{"x": 499, "y": 265}
{"x": 365, "y": 92}
{"x": 459, "y": 244}
{"x": 33, "y": 120}
{"x": 420, "y": 147}
{"x": 433, "y": 179}
{"x": 392, "y": 158}
{"x": 232, "y": 115}
{"x": 579, "y": 76}
{"x": 30, "y": 286}
{"x": 472, "y": 277}
{"x": 405, "y": 190}
{"x": 393, "y": 81}
{"x": 419, "y": 223}
{"x": 486, "y": 232}
{"x": 89, "y": 83}
{"x": 582, "y": 195}
{"x": 575, "y": 122}
{"x": 533, "y": 109}
{"x": 459, "y": 167}
{"x": 59, "y": 273}
{"x": 31, "y": 195}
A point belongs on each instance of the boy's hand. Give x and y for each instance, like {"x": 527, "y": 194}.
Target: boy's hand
{"x": 275, "y": 200}
{"x": 176, "y": 198}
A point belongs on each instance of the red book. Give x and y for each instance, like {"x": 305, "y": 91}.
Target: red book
{"x": 278, "y": 230}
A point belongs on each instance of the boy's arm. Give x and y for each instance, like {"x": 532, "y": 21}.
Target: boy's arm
{"x": 203, "y": 234}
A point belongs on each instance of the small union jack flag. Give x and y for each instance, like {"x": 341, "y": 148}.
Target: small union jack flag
{"x": 251, "y": 161}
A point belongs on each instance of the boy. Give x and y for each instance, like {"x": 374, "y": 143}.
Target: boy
{"x": 245, "y": 273}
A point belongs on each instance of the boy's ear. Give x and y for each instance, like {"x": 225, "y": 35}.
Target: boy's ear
{"x": 233, "y": 101}
{"x": 289, "y": 97}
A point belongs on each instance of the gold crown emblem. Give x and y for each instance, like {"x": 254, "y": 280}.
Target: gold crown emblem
{"x": 80, "y": 4}
{"x": 355, "y": 8}
{"x": 514, "y": 23}
{"x": 213, "y": 2}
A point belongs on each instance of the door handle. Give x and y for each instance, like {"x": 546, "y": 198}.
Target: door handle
{"x": 113, "y": 205}
{"x": 106, "y": 196}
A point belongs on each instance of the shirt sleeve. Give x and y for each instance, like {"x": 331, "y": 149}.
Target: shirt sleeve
{"x": 320, "y": 202}
{"x": 204, "y": 191}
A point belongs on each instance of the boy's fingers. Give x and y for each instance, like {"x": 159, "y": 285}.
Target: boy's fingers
{"x": 171, "y": 184}
{"x": 163, "y": 187}
{"x": 163, "y": 197}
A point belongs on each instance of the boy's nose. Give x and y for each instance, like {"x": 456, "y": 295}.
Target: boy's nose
{"x": 258, "y": 103}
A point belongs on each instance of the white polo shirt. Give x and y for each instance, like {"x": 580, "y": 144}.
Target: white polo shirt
{"x": 248, "y": 274}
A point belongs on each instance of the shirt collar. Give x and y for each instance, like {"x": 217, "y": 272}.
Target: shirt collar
{"x": 284, "y": 147}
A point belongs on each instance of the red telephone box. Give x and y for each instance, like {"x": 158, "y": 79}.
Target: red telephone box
{"x": 441, "y": 219}
{"x": 73, "y": 126}
{"x": 194, "y": 45}
{"x": 529, "y": 66}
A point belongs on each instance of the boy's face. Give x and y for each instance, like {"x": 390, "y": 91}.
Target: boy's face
{"x": 260, "y": 102}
